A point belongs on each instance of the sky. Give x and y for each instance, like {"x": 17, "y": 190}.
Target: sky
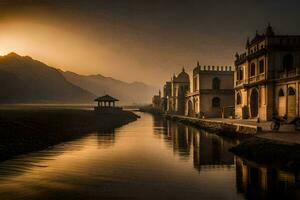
{"x": 138, "y": 40}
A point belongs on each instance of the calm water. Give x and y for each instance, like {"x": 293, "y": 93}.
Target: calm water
{"x": 147, "y": 159}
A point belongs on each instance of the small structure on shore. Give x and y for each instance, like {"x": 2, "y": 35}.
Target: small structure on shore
{"x": 107, "y": 104}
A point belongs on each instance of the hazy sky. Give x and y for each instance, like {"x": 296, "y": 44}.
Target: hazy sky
{"x": 136, "y": 40}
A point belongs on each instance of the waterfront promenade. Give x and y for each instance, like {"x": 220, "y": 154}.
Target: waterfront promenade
{"x": 286, "y": 134}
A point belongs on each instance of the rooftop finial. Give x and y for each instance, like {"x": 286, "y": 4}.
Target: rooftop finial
{"x": 237, "y": 55}
{"x": 182, "y": 69}
{"x": 198, "y": 64}
{"x": 248, "y": 42}
{"x": 270, "y": 31}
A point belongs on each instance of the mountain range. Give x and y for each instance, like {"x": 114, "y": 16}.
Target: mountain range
{"x": 25, "y": 80}
{"x": 128, "y": 93}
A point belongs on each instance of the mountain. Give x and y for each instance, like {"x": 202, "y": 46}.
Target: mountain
{"x": 128, "y": 93}
{"x": 25, "y": 80}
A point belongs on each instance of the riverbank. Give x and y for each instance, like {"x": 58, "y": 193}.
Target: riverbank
{"x": 23, "y": 131}
{"x": 219, "y": 127}
{"x": 258, "y": 144}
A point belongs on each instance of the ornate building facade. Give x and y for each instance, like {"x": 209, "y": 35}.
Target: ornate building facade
{"x": 179, "y": 86}
{"x": 267, "y": 77}
{"x": 212, "y": 91}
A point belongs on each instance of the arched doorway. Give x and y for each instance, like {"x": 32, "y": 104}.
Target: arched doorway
{"x": 281, "y": 103}
{"x": 291, "y": 111}
{"x": 190, "y": 108}
{"x": 254, "y": 103}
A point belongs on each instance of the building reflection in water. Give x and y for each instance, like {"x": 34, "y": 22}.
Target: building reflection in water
{"x": 260, "y": 182}
{"x": 106, "y": 138}
{"x": 208, "y": 150}
{"x": 211, "y": 151}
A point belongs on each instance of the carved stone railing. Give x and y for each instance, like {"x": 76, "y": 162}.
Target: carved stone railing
{"x": 252, "y": 79}
{"x": 288, "y": 74}
{"x": 240, "y": 82}
{"x": 257, "y": 78}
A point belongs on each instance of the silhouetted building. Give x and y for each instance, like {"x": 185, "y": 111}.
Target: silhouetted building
{"x": 166, "y": 95}
{"x": 212, "y": 91}
{"x": 267, "y": 76}
{"x": 106, "y": 104}
{"x": 157, "y": 101}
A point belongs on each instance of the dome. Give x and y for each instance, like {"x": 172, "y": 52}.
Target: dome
{"x": 183, "y": 77}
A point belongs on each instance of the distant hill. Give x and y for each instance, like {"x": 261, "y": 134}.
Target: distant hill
{"x": 128, "y": 93}
{"x": 24, "y": 80}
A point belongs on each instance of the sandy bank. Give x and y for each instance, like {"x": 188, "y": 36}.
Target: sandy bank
{"x": 23, "y": 131}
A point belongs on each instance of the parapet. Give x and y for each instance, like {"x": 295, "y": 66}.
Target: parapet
{"x": 213, "y": 68}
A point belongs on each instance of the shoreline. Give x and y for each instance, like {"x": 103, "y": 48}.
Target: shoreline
{"x": 253, "y": 146}
{"x": 230, "y": 130}
{"x": 24, "y": 131}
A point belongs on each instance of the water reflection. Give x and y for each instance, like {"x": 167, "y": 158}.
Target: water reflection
{"x": 210, "y": 151}
{"x": 151, "y": 158}
{"x": 24, "y": 163}
{"x": 207, "y": 150}
{"x": 261, "y": 182}
{"x": 106, "y": 138}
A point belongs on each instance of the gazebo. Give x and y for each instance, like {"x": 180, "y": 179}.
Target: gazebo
{"x": 106, "y": 102}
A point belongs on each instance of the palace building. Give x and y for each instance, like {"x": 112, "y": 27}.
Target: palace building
{"x": 179, "y": 86}
{"x": 267, "y": 77}
{"x": 212, "y": 91}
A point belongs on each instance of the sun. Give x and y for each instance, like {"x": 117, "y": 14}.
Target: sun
{"x": 2, "y": 52}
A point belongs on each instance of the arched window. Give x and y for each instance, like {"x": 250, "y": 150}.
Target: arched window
{"x": 261, "y": 66}
{"x": 240, "y": 74}
{"x": 216, "y": 102}
{"x": 252, "y": 69}
{"x": 281, "y": 93}
{"x": 238, "y": 98}
{"x": 291, "y": 91}
{"x": 216, "y": 83}
{"x": 288, "y": 62}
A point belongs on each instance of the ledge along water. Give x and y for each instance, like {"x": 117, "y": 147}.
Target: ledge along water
{"x": 262, "y": 150}
{"x": 150, "y": 158}
{"x": 218, "y": 126}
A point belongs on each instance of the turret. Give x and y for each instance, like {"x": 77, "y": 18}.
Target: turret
{"x": 269, "y": 30}
{"x": 248, "y": 42}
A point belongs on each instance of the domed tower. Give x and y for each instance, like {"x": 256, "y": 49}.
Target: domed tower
{"x": 180, "y": 86}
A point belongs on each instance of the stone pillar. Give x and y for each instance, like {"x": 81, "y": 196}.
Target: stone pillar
{"x": 297, "y": 99}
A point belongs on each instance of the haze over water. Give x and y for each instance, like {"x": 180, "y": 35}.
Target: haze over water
{"x": 150, "y": 158}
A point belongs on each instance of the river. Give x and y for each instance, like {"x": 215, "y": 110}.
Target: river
{"x": 151, "y": 158}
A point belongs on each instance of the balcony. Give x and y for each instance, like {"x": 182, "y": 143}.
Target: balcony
{"x": 240, "y": 82}
{"x": 288, "y": 74}
{"x": 251, "y": 80}
{"x": 254, "y": 79}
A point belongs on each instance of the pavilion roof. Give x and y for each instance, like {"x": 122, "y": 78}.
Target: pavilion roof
{"x": 106, "y": 98}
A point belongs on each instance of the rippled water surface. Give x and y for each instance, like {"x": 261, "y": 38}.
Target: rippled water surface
{"x": 148, "y": 159}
